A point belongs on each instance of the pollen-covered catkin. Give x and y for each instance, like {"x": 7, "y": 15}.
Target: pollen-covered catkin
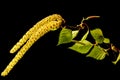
{"x": 47, "y": 24}
{"x": 54, "y": 17}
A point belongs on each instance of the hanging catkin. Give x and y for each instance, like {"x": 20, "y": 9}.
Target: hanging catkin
{"x": 47, "y": 24}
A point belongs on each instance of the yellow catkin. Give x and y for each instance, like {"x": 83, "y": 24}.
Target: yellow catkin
{"x": 49, "y": 23}
{"x": 54, "y": 17}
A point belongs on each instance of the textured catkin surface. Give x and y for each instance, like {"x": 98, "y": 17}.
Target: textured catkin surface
{"x": 50, "y": 20}
{"x": 42, "y": 27}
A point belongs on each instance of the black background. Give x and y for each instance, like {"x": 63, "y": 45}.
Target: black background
{"x": 45, "y": 60}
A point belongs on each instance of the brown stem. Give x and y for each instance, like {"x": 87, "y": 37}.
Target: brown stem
{"x": 75, "y": 41}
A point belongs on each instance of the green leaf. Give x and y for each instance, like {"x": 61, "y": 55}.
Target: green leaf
{"x": 74, "y": 33}
{"x": 65, "y": 36}
{"x": 118, "y": 58}
{"x": 83, "y": 49}
{"x": 97, "y": 53}
{"x": 106, "y": 40}
{"x": 97, "y": 35}
{"x": 85, "y": 35}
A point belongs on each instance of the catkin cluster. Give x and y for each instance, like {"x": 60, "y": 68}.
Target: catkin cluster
{"x": 42, "y": 27}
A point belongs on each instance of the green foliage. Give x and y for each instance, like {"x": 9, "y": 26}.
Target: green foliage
{"x": 106, "y": 40}
{"x": 86, "y": 47}
{"x": 83, "y": 49}
{"x": 65, "y": 36}
{"x": 97, "y": 35}
{"x": 85, "y": 35}
{"x": 118, "y": 58}
{"x": 74, "y": 33}
{"x": 97, "y": 53}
